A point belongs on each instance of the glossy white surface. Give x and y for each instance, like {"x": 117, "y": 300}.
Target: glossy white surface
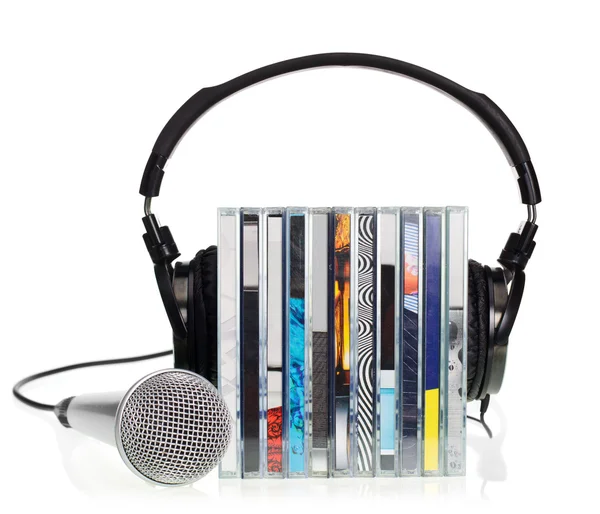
{"x": 84, "y": 93}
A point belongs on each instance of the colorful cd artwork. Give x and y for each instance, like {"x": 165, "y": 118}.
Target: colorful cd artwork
{"x": 388, "y": 342}
{"x": 274, "y": 342}
{"x": 365, "y": 342}
{"x": 341, "y": 343}
{"x": 295, "y": 343}
{"x": 434, "y": 294}
{"x": 341, "y": 333}
{"x": 411, "y": 342}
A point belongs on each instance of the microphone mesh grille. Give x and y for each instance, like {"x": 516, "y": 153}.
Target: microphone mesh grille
{"x": 174, "y": 427}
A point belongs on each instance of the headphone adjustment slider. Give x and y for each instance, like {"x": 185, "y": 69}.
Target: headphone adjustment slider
{"x": 159, "y": 241}
{"x": 519, "y": 247}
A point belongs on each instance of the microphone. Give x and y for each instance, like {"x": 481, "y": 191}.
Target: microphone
{"x": 171, "y": 427}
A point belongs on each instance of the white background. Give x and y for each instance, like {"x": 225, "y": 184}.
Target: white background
{"x": 86, "y": 88}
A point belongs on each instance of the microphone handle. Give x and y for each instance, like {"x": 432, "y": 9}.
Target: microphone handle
{"x": 91, "y": 414}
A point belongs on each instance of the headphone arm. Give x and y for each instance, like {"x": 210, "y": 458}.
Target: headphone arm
{"x": 163, "y": 251}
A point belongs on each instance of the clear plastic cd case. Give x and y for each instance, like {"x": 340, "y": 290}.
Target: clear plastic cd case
{"x": 341, "y": 368}
{"x": 228, "y": 330}
{"x": 388, "y": 327}
{"x": 411, "y": 340}
{"x": 341, "y": 333}
{"x": 250, "y": 292}
{"x": 319, "y": 353}
{"x": 363, "y": 340}
{"x": 434, "y": 331}
{"x": 271, "y": 340}
{"x": 455, "y": 417}
{"x": 296, "y": 332}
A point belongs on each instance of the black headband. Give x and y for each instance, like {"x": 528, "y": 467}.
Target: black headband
{"x": 480, "y": 105}
{"x": 515, "y": 254}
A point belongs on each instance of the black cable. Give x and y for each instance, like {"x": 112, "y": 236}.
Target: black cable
{"x": 482, "y": 410}
{"x": 483, "y": 423}
{"x": 44, "y": 406}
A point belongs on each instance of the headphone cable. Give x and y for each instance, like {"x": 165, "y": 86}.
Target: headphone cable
{"x": 45, "y": 406}
{"x": 482, "y": 410}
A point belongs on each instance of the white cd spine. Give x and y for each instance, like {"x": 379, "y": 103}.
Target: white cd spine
{"x": 455, "y": 415}
{"x": 319, "y": 355}
{"x": 228, "y": 331}
{"x": 271, "y": 341}
{"x": 387, "y": 340}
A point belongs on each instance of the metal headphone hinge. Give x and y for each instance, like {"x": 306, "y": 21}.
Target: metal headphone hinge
{"x": 159, "y": 241}
{"x": 519, "y": 247}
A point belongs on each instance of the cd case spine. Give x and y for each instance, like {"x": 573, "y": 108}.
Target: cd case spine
{"x": 411, "y": 354}
{"x": 433, "y": 334}
{"x": 251, "y": 226}
{"x": 341, "y": 321}
{"x": 455, "y": 416}
{"x": 320, "y": 352}
{"x": 363, "y": 347}
{"x": 228, "y": 331}
{"x": 297, "y": 335}
{"x": 271, "y": 342}
{"x": 388, "y": 329}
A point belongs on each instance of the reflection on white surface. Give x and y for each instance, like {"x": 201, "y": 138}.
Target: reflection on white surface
{"x": 346, "y": 487}
{"x": 491, "y": 466}
{"x": 97, "y": 470}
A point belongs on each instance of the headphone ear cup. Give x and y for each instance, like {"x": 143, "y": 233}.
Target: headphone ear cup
{"x": 479, "y": 322}
{"x": 204, "y": 268}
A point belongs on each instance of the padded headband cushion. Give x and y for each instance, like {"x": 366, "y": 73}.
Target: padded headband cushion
{"x": 479, "y": 316}
{"x": 204, "y": 267}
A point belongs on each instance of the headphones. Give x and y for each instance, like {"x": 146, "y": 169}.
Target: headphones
{"x": 189, "y": 290}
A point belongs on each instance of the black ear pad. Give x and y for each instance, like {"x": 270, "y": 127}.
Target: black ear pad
{"x": 204, "y": 268}
{"x": 479, "y": 322}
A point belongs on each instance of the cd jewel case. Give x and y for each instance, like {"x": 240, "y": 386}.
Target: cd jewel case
{"x": 341, "y": 333}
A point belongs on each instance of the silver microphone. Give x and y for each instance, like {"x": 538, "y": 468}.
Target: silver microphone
{"x": 171, "y": 428}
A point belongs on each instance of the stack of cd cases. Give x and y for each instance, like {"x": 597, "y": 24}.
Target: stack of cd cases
{"x": 341, "y": 340}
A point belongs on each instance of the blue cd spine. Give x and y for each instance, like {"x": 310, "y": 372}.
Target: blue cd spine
{"x": 433, "y": 334}
{"x": 297, "y": 336}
